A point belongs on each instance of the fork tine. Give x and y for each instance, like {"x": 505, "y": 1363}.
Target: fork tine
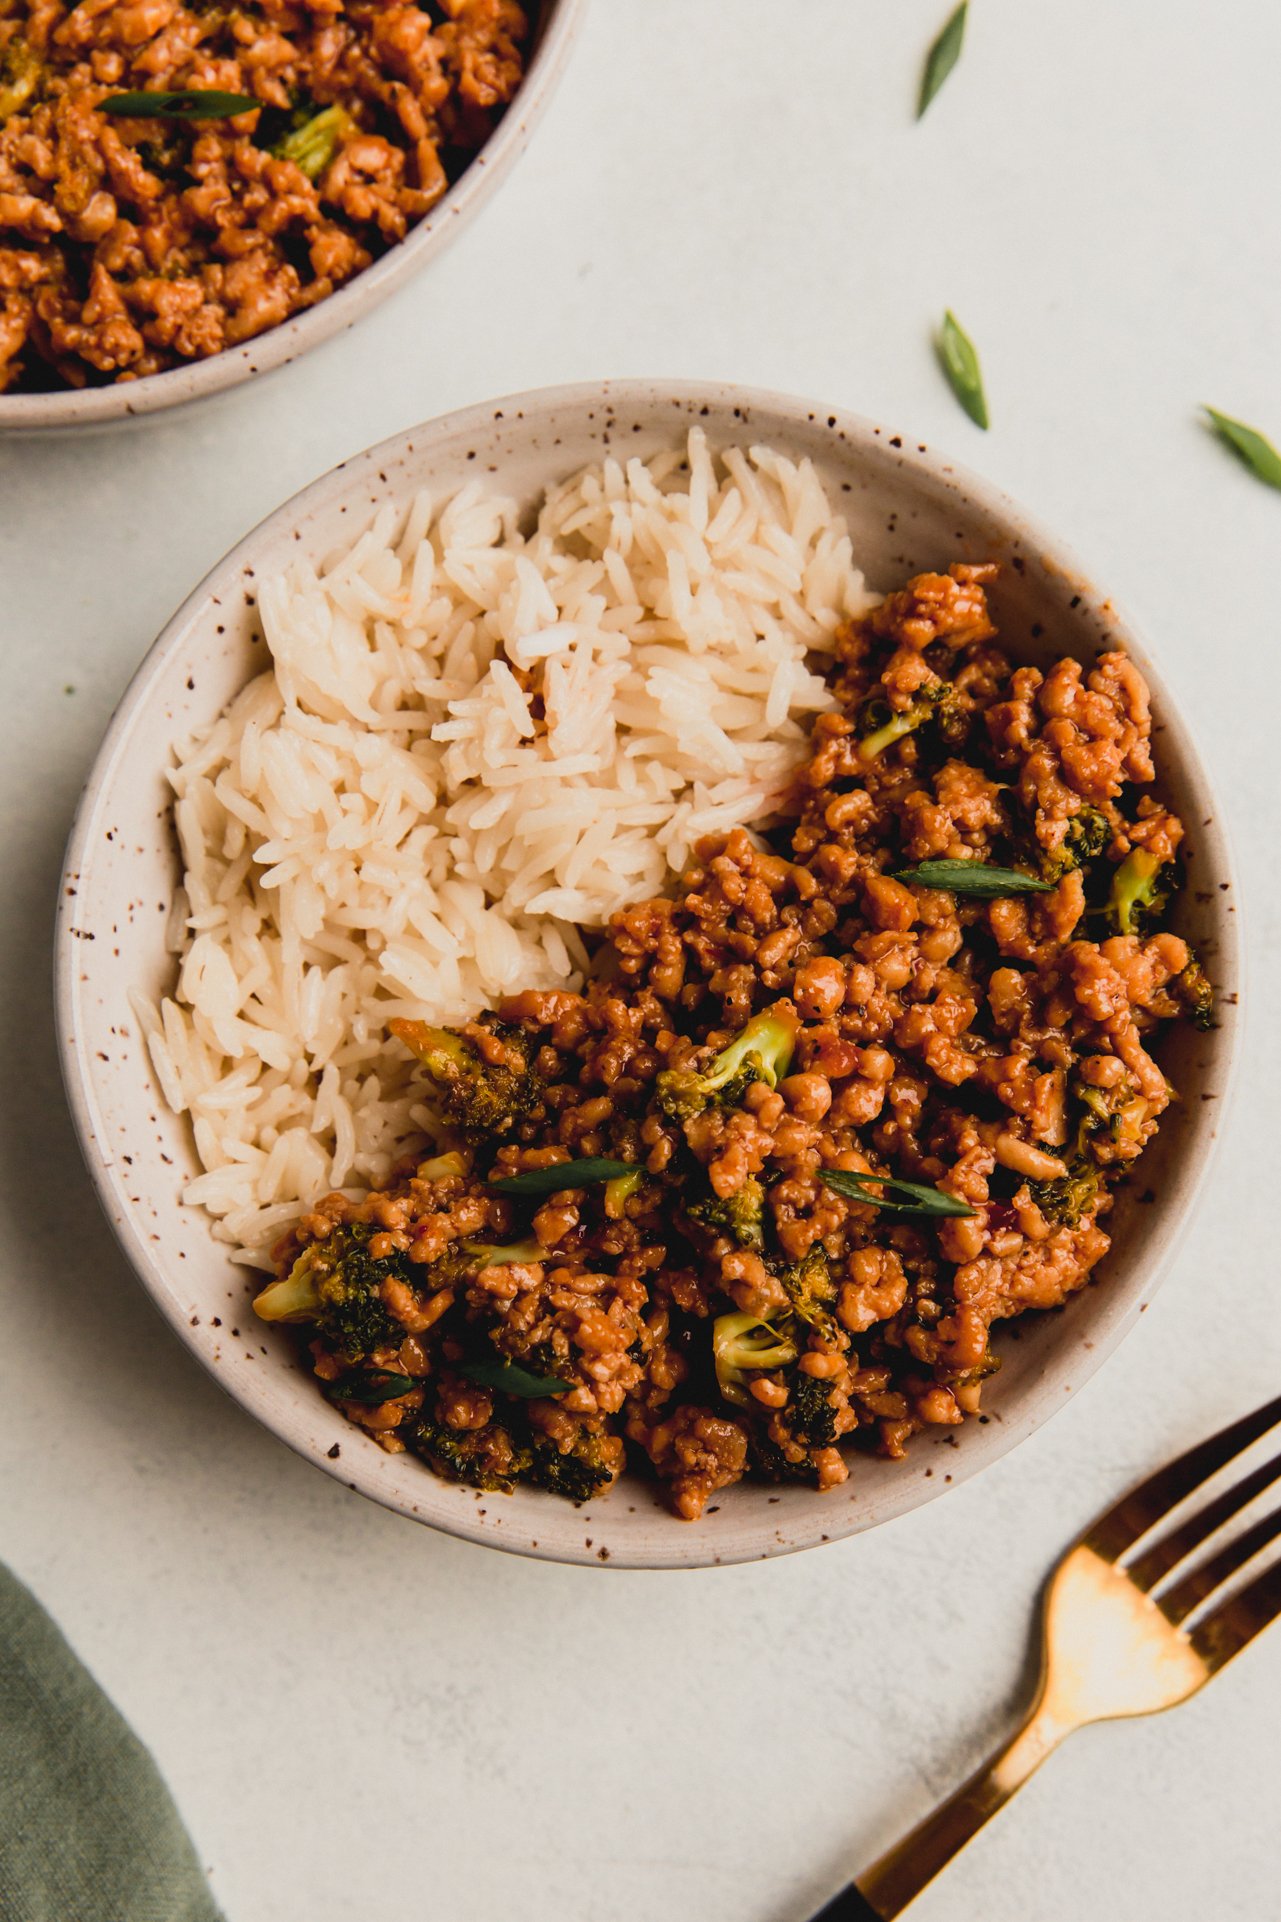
{"x": 1169, "y": 1550}
{"x": 1200, "y": 1583}
{"x": 1149, "y": 1503}
{"x": 1227, "y": 1629}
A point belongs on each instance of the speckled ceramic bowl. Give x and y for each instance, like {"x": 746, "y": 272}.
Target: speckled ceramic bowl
{"x": 559, "y": 23}
{"x": 908, "y": 508}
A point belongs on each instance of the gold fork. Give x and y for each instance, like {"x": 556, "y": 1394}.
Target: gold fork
{"x": 1129, "y": 1628}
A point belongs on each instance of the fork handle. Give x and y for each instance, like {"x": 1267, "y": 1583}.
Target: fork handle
{"x": 897, "y": 1877}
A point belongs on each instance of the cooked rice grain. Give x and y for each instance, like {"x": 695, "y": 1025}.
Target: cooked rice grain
{"x": 469, "y": 744}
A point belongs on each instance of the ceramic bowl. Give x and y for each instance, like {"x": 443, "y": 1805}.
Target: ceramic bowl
{"x": 908, "y": 508}
{"x": 559, "y": 23}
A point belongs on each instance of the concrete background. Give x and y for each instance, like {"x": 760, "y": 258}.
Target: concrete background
{"x": 358, "y": 1717}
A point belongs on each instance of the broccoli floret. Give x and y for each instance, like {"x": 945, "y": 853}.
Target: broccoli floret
{"x": 1139, "y": 892}
{"x": 762, "y": 1051}
{"x": 807, "y": 1422}
{"x": 810, "y": 1288}
{"x": 487, "y": 1457}
{"x": 939, "y": 704}
{"x": 1193, "y": 989}
{"x": 20, "y": 70}
{"x": 335, "y": 1283}
{"x": 588, "y": 1468}
{"x": 1088, "y": 833}
{"x": 313, "y": 145}
{"x": 742, "y": 1346}
{"x": 809, "y": 1415}
{"x": 741, "y": 1215}
{"x": 1072, "y": 1197}
{"x": 484, "y": 1098}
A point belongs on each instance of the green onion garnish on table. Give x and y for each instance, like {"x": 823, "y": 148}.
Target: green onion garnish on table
{"x": 1249, "y": 446}
{"x": 959, "y": 360}
{"x": 942, "y": 57}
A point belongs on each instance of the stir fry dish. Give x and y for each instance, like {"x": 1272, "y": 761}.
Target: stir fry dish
{"x": 754, "y": 1202}
{"x": 176, "y": 179}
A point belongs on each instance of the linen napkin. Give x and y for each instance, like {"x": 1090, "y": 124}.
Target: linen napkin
{"x": 88, "y": 1831}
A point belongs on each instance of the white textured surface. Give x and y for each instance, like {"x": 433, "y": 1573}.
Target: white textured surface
{"x": 358, "y": 1716}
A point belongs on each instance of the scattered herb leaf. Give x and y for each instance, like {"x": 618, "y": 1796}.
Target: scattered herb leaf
{"x": 370, "y": 1389}
{"x": 921, "y": 1202}
{"x": 191, "y": 103}
{"x": 512, "y": 1379}
{"x": 1258, "y": 454}
{"x": 942, "y": 57}
{"x": 960, "y": 362}
{"x": 562, "y": 1174}
{"x": 976, "y": 878}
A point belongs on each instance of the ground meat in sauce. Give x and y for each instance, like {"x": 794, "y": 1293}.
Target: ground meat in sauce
{"x": 998, "y": 1051}
{"x": 129, "y": 245}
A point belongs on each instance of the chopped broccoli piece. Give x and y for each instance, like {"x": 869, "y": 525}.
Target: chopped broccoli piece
{"x": 809, "y": 1415}
{"x": 743, "y": 1345}
{"x": 741, "y": 1215}
{"x": 448, "y": 1167}
{"x": 1072, "y": 1197}
{"x": 336, "y": 1284}
{"x": 774, "y": 1465}
{"x": 1193, "y": 989}
{"x": 619, "y": 1191}
{"x": 494, "y": 1254}
{"x": 483, "y": 1097}
{"x": 497, "y": 1457}
{"x": 762, "y": 1051}
{"x": 1088, "y": 833}
{"x": 487, "y": 1457}
{"x": 20, "y": 71}
{"x": 1138, "y": 893}
{"x": 938, "y": 703}
{"x": 811, "y": 1289}
{"x": 1119, "y": 1113}
{"x": 588, "y": 1468}
{"x": 313, "y": 145}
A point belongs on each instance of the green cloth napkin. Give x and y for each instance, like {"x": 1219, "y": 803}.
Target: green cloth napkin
{"x": 88, "y": 1832}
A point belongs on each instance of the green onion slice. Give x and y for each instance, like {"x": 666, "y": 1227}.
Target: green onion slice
{"x": 919, "y": 1202}
{"x": 191, "y": 103}
{"x": 512, "y": 1379}
{"x": 959, "y": 360}
{"x": 1258, "y": 453}
{"x": 372, "y": 1388}
{"x": 942, "y": 57}
{"x": 979, "y": 879}
{"x": 562, "y": 1174}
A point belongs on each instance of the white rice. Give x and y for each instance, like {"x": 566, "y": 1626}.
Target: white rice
{"x": 379, "y": 825}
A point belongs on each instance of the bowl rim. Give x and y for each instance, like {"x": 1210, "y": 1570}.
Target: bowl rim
{"x": 73, "y": 407}
{"x": 681, "y": 1548}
